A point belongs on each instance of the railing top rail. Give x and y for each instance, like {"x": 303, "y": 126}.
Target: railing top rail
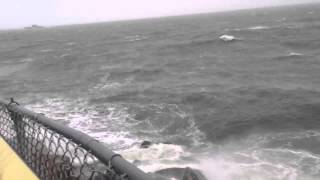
{"x": 88, "y": 143}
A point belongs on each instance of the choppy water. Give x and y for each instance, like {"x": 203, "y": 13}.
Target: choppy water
{"x": 241, "y": 108}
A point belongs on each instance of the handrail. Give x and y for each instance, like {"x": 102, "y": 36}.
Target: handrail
{"x": 63, "y": 146}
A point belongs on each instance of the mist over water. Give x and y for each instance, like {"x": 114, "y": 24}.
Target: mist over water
{"x": 245, "y": 106}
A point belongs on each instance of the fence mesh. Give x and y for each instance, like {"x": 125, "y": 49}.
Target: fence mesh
{"x": 51, "y": 155}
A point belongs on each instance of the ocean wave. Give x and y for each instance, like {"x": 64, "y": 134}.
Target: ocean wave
{"x": 252, "y": 157}
{"x": 136, "y": 74}
{"x": 290, "y": 56}
{"x": 106, "y": 123}
{"x": 107, "y": 86}
{"x": 304, "y": 44}
{"x": 170, "y": 123}
{"x": 265, "y": 156}
{"x": 100, "y": 54}
{"x": 118, "y": 97}
{"x": 158, "y": 157}
{"x": 222, "y": 168}
{"x": 29, "y": 46}
{"x": 283, "y": 19}
{"x": 251, "y": 28}
{"x": 295, "y": 54}
{"x": 65, "y": 55}
{"x": 26, "y": 60}
{"x": 221, "y": 116}
{"x": 71, "y": 43}
{"x": 161, "y": 122}
{"x": 122, "y": 125}
{"x": 188, "y": 48}
{"x": 105, "y": 83}
{"x": 135, "y": 38}
{"x": 259, "y": 28}
{"x": 156, "y": 152}
{"x": 228, "y": 38}
{"x": 212, "y": 116}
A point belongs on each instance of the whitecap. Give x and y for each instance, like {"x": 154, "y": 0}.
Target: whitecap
{"x": 153, "y": 167}
{"x": 158, "y": 156}
{"x": 156, "y": 152}
{"x": 258, "y": 28}
{"x": 64, "y": 55}
{"x": 295, "y": 54}
{"x": 100, "y": 54}
{"x": 228, "y": 38}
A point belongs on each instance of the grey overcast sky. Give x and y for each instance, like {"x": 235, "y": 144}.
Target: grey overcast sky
{"x": 19, "y": 13}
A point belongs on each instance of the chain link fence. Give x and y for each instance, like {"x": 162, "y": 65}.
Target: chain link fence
{"x": 56, "y": 152}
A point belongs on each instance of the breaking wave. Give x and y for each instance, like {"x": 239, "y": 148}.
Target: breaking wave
{"x": 259, "y": 28}
{"x": 263, "y": 157}
{"x": 106, "y": 123}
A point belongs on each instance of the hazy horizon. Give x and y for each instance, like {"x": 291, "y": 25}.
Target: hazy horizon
{"x": 58, "y": 12}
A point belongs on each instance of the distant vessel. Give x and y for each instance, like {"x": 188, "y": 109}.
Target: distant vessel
{"x": 34, "y": 26}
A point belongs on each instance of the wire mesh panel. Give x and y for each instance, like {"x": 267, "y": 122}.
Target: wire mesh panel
{"x": 56, "y": 152}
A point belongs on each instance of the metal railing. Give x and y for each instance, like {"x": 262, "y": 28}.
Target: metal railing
{"x": 56, "y": 152}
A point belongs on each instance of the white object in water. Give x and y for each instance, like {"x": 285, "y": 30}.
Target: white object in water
{"x": 227, "y": 38}
{"x": 295, "y": 54}
{"x": 258, "y": 27}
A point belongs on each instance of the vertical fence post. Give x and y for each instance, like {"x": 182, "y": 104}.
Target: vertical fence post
{"x": 18, "y": 126}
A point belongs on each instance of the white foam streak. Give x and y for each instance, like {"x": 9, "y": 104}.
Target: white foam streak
{"x": 156, "y": 152}
{"x": 251, "y": 28}
{"x": 227, "y": 38}
{"x": 258, "y": 28}
{"x": 295, "y": 54}
{"x": 64, "y": 55}
{"x": 153, "y": 167}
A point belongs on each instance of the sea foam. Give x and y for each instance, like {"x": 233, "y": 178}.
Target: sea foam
{"x": 294, "y": 54}
{"x": 258, "y": 28}
{"x": 227, "y": 38}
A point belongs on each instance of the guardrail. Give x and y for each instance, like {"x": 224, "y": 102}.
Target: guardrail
{"x": 56, "y": 152}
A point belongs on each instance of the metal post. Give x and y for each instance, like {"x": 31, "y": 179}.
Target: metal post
{"x": 18, "y": 126}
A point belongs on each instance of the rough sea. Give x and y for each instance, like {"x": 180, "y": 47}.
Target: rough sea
{"x": 234, "y": 94}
